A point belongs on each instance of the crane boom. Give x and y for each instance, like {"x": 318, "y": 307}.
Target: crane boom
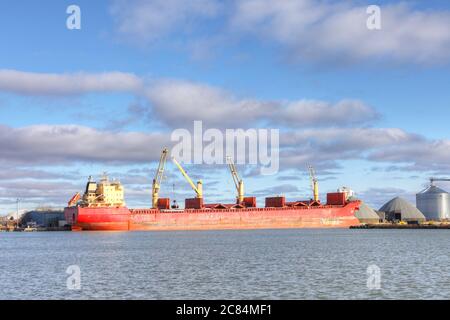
{"x": 74, "y": 199}
{"x": 197, "y": 188}
{"x": 156, "y": 185}
{"x": 314, "y": 182}
{"x": 238, "y": 182}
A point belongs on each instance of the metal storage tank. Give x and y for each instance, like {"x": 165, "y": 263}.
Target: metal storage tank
{"x": 434, "y": 203}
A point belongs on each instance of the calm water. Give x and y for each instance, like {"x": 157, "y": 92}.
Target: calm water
{"x": 262, "y": 264}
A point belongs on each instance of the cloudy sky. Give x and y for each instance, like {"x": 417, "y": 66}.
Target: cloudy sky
{"x": 369, "y": 109}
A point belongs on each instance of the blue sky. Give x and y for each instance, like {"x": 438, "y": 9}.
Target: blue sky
{"x": 212, "y": 51}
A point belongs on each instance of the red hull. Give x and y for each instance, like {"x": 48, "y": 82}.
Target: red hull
{"x": 124, "y": 219}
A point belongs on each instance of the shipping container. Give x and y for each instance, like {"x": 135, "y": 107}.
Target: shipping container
{"x": 250, "y": 202}
{"x": 163, "y": 203}
{"x": 275, "y": 202}
{"x": 336, "y": 198}
{"x": 193, "y": 203}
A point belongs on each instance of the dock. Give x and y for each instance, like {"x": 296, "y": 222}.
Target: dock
{"x": 401, "y": 226}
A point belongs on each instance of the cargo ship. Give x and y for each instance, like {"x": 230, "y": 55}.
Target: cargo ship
{"x": 102, "y": 207}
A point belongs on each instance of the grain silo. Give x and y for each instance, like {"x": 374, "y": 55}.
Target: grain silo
{"x": 434, "y": 203}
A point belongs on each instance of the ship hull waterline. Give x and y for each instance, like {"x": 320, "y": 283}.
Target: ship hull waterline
{"x": 124, "y": 219}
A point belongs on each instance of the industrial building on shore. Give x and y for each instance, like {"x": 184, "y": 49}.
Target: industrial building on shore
{"x": 42, "y": 219}
{"x": 399, "y": 209}
{"x": 432, "y": 205}
{"x": 434, "y": 202}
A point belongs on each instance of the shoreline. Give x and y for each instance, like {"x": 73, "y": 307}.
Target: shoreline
{"x": 401, "y": 226}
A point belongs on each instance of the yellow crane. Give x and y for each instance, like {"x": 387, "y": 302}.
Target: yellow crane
{"x": 238, "y": 182}
{"x": 156, "y": 185}
{"x": 314, "y": 182}
{"x": 197, "y": 188}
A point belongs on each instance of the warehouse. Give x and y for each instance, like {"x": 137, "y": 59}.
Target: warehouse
{"x": 43, "y": 218}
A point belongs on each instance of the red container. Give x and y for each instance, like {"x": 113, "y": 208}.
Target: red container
{"x": 336, "y": 198}
{"x": 275, "y": 202}
{"x": 250, "y": 202}
{"x": 193, "y": 203}
{"x": 163, "y": 203}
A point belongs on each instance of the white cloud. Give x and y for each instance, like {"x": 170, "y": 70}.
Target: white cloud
{"x": 59, "y": 144}
{"x": 320, "y": 113}
{"x": 311, "y": 30}
{"x": 422, "y": 155}
{"x": 337, "y": 31}
{"x": 14, "y": 173}
{"x": 179, "y": 102}
{"x": 29, "y": 83}
{"x": 320, "y": 131}
{"x": 145, "y": 21}
{"x": 53, "y": 191}
{"x": 50, "y": 144}
{"x": 326, "y": 147}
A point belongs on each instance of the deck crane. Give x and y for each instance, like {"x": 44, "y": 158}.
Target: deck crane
{"x": 156, "y": 185}
{"x": 432, "y": 180}
{"x": 73, "y": 201}
{"x": 314, "y": 182}
{"x": 197, "y": 188}
{"x": 238, "y": 182}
